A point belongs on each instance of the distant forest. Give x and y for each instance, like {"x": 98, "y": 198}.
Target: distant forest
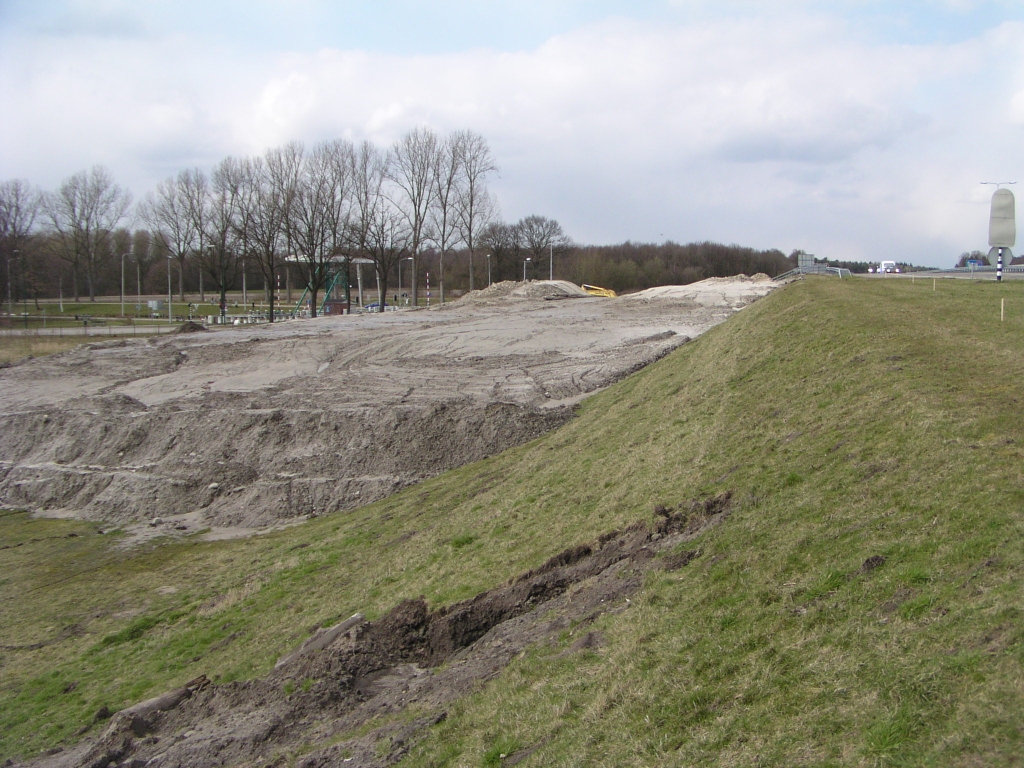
{"x": 628, "y": 266}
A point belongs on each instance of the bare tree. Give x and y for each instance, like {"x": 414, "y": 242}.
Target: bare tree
{"x": 475, "y": 206}
{"x": 216, "y": 220}
{"x": 145, "y": 252}
{"x": 318, "y": 211}
{"x": 195, "y": 190}
{"x": 444, "y": 212}
{"x": 543, "y": 238}
{"x": 167, "y": 211}
{"x": 388, "y": 241}
{"x": 82, "y": 213}
{"x": 505, "y": 243}
{"x": 412, "y": 169}
{"x": 370, "y": 170}
{"x": 268, "y": 184}
{"x": 19, "y": 207}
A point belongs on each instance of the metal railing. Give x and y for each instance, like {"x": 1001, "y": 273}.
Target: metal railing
{"x": 817, "y": 269}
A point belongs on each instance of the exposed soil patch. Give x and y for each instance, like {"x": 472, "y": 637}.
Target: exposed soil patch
{"x": 412, "y": 660}
{"x": 191, "y": 327}
{"x": 246, "y": 428}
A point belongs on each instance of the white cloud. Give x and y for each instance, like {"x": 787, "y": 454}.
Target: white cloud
{"x": 787, "y": 131}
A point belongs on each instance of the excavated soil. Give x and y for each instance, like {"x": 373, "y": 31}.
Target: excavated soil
{"x": 245, "y": 428}
{"x": 405, "y": 669}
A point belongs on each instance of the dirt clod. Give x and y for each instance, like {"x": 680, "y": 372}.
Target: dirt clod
{"x": 192, "y": 327}
{"x": 875, "y": 561}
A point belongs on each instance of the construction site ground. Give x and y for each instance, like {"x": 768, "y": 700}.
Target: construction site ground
{"x": 244, "y": 429}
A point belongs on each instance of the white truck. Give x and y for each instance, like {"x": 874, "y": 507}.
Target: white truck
{"x": 886, "y": 267}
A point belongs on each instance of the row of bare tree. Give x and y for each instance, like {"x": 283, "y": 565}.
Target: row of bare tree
{"x": 79, "y": 220}
{"x": 309, "y": 212}
{"x": 318, "y": 209}
{"x": 313, "y": 210}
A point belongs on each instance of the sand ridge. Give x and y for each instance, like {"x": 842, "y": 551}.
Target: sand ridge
{"x": 251, "y": 427}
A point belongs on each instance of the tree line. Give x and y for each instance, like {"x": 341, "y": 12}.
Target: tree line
{"x": 421, "y": 205}
{"x": 307, "y": 210}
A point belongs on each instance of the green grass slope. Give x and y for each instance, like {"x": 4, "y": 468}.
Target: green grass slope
{"x": 850, "y": 419}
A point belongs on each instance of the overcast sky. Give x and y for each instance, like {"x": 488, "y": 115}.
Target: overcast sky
{"x": 856, "y": 129}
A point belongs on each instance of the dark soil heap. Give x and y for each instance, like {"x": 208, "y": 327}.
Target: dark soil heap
{"x": 410, "y": 659}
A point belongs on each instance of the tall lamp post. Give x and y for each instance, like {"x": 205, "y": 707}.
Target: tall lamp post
{"x": 21, "y": 279}
{"x": 10, "y": 303}
{"x": 122, "y": 283}
{"x": 138, "y": 286}
{"x": 169, "y": 320}
{"x": 524, "y": 268}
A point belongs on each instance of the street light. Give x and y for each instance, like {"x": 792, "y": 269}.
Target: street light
{"x": 524, "y": 268}
{"x": 21, "y": 279}
{"x": 122, "y": 283}
{"x": 488, "y": 270}
{"x": 169, "y": 320}
{"x": 10, "y": 303}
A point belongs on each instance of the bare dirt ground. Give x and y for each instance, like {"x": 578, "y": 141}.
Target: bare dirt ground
{"x": 245, "y": 429}
{"x": 315, "y": 709}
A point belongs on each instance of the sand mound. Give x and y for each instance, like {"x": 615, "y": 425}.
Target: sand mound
{"x": 734, "y": 292}
{"x": 262, "y": 425}
{"x": 510, "y": 290}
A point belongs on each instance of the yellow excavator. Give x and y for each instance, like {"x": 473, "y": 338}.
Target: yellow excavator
{"x": 594, "y": 290}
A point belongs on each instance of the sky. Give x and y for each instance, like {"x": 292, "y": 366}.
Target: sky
{"x": 850, "y": 129}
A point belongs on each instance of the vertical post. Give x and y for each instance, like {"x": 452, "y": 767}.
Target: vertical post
{"x": 551, "y": 261}
{"x": 933, "y": 285}
{"x": 1002, "y": 310}
{"x": 488, "y": 270}
{"x": 428, "y": 289}
{"x": 999, "y": 266}
{"x": 245, "y": 296}
{"x": 122, "y": 284}
{"x": 169, "y": 320}
{"x": 10, "y": 304}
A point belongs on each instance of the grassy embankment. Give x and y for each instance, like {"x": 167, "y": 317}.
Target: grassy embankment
{"x": 850, "y": 420}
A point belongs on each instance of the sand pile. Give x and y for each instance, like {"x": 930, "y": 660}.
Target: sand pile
{"x": 734, "y": 292}
{"x": 533, "y": 289}
{"x": 253, "y": 426}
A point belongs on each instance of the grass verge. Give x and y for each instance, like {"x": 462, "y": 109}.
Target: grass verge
{"x": 862, "y": 605}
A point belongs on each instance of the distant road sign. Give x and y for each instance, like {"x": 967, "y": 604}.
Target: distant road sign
{"x": 1002, "y": 225}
